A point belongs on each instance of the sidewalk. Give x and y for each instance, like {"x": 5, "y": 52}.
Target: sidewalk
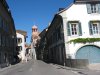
{"x": 67, "y": 68}
{"x": 91, "y": 67}
{"x": 86, "y": 71}
{"x": 94, "y": 66}
{"x": 11, "y": 66}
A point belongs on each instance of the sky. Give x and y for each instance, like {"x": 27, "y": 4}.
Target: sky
{"x": 27, "y": 13}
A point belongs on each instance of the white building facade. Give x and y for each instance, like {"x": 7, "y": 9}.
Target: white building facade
{"x": 82, "y": 20}
{"x": 21, "y": 46}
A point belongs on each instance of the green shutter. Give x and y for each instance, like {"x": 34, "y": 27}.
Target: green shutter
{"x": 80, "y": 29}
{"x": 89, "y": 9}
{"x": 98, "y": 8}
{"x": 68, "y": 29}
{"x": 90, "y": 28}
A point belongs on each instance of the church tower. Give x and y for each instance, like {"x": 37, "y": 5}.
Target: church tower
{"x": 35, "y": 35}
{"x": 34, "y": 40}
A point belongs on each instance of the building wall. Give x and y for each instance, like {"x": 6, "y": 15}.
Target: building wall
{"x": 21, "y": 44}
{"x": 55, "y": 41}
{"x": 41, "y": 45}
{"x": 78, "y": 12}
{"x": 7, "y": 37}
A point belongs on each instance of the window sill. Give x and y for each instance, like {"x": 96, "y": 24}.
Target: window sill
{"x": 73, "y": 36}
{"x": 94, "y": 13}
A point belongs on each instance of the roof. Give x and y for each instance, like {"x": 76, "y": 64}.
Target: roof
{"x": 5, "y": 3}
{"x": 22, "y": 32}
{"x": 65, "y": 8}
{"x": 78, "y": 2}
{"x": 34, "y": 27}
{"x": 85, "y": 1}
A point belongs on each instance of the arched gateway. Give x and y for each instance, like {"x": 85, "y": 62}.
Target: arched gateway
{"x": 90, "y": 52}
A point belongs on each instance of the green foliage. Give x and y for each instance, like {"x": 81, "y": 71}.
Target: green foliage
{"x": 84, "y": 40}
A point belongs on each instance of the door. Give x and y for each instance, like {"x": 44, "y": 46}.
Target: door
{"x": 90, "y": 52}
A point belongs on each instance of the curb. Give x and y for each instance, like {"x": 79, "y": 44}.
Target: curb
{"x": 68, "y": 68}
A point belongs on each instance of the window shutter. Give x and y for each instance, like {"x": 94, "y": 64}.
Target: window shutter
{"x": 88, "y": 8}
{"x": 90, "y": 28}
{"x": 99, "y": 27}
{"x": 0, "y": 21}
{"x": 80, "y": 29}
{"x": 98, "y": 8}
{"x": 68, "y": 29}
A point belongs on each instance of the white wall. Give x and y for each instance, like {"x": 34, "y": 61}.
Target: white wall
{"x": 22, "y": 53}
{"x": 77, "y": 12}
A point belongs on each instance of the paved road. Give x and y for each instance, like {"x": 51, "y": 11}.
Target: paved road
{"x": 41, "y": 68}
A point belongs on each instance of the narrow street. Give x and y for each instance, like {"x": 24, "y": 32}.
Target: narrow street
{"x": 41, "y": 68}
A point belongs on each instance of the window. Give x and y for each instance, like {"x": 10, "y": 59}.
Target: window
{"x": 0, "y": 39}
{"x": 6, "y": 28}
{"x": 0, "y": 21}
{"x": 94, "y": 28}
{"x": 34, "y": 30}
{"x": 0, "y": 57}
{"x": 3, "y": 24}
{"x": 19, "y": 48}
{"x": 93, "y": 8}
{"x": 7, "y": 41}
{"x": 3, "y": 40}
{"x": 74, "y": 28}
{"x": 19, "y": 40}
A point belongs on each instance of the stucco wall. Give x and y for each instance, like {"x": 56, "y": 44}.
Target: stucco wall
{"x": 78, "y": 12}
{"x": 22, "y": 53}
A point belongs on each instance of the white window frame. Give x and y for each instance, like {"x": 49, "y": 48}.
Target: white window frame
{"x": 98, "y": 26}
{"x": 19, "y": 40}
{"x": 77, "y": 29}
{"x": 94, "y": 8}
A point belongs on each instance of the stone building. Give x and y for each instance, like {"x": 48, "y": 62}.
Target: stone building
{"x": 7, "y": 36}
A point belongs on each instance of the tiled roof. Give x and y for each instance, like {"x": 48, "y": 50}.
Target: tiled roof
{"x": 22, "y": 32}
